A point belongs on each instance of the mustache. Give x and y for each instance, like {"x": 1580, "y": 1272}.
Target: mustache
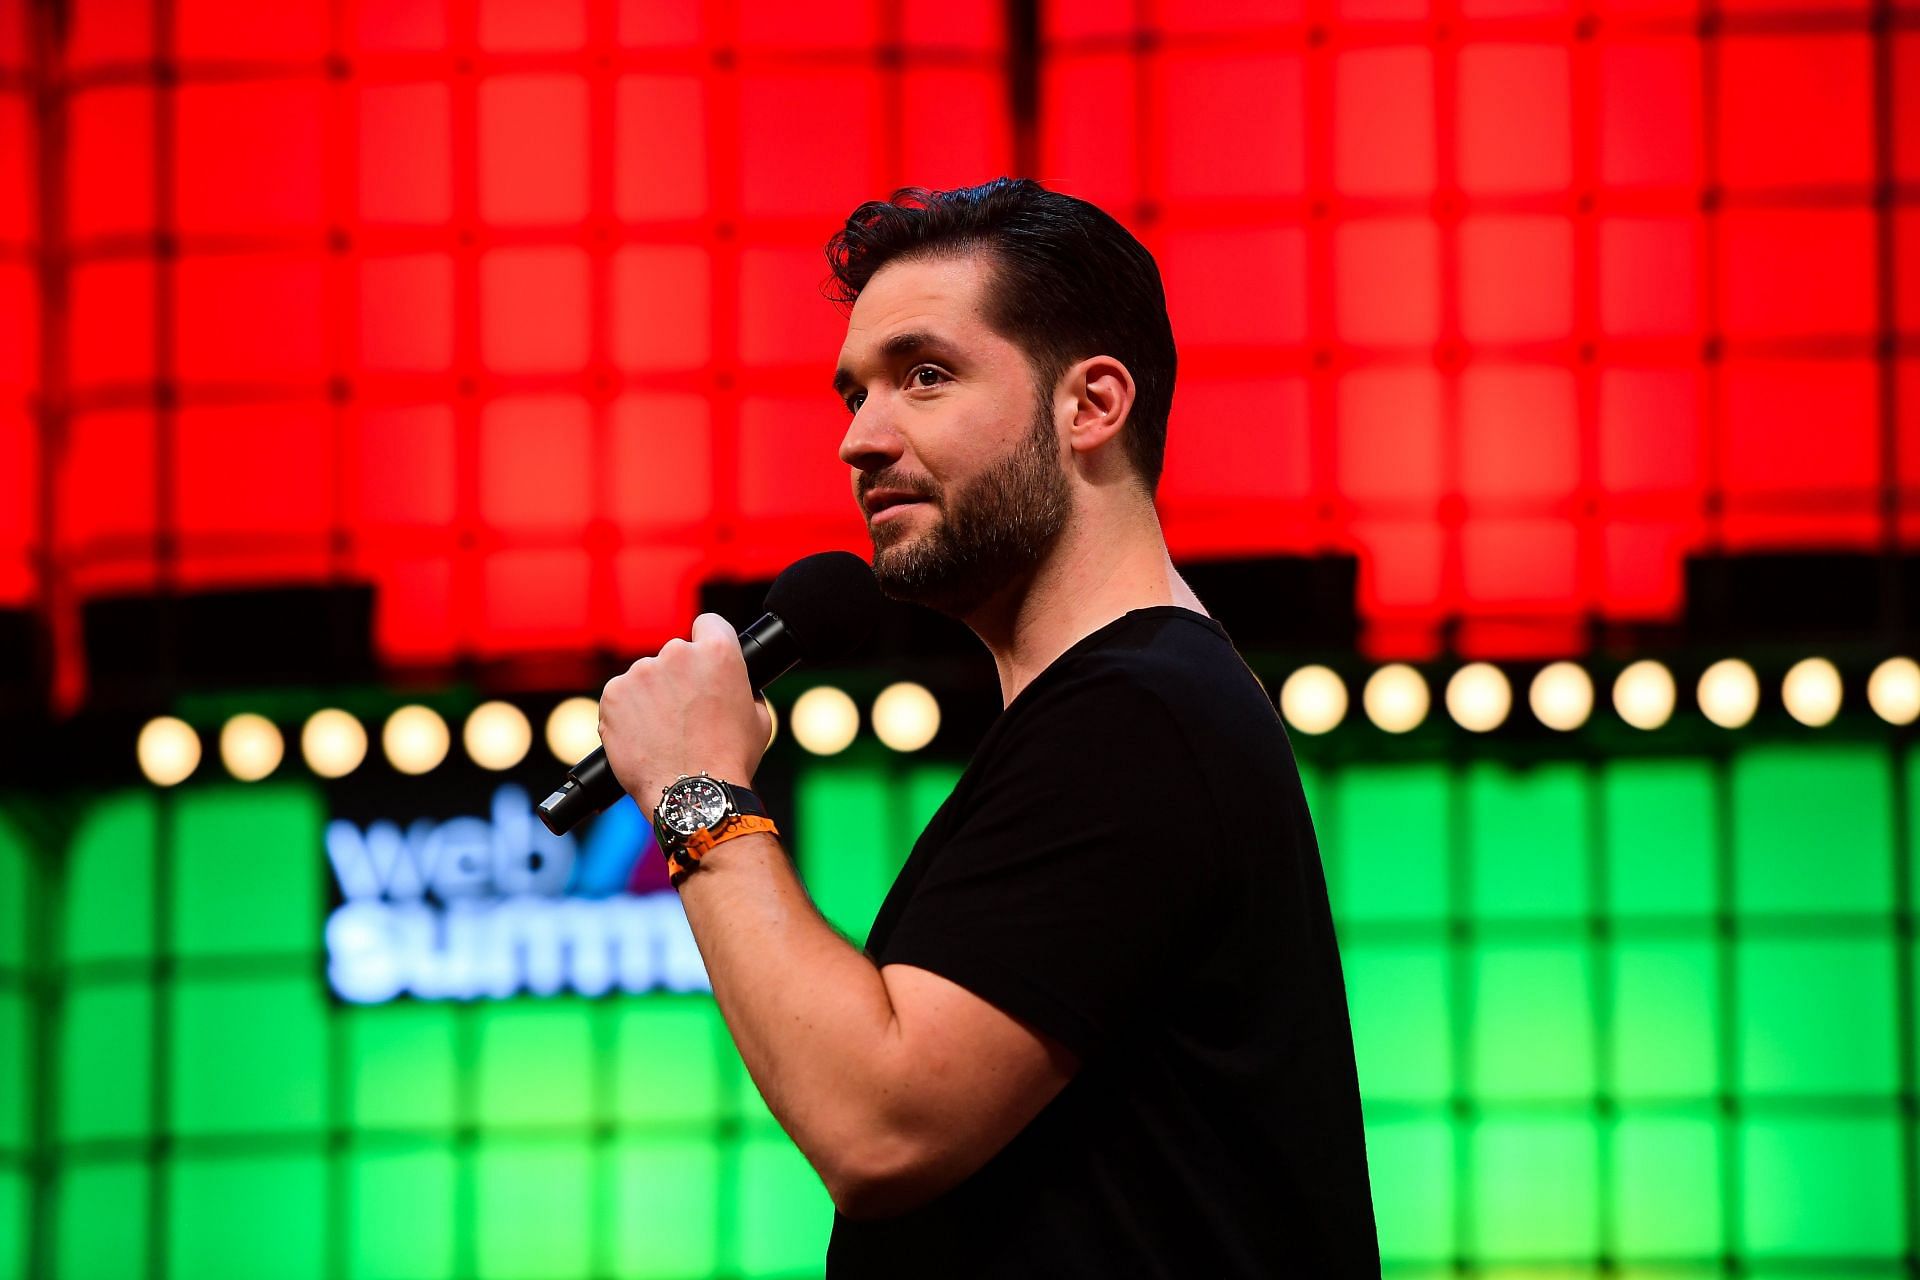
{"x": 918, "y": 486}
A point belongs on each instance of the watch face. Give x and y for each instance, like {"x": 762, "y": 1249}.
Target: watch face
{"x": 692, "y": 803}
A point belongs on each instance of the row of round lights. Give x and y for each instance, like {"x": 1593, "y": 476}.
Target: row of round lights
{"x": 496, "y": 735}
{"x": 906, "y": 716}
{"x": 1479, "y": 697}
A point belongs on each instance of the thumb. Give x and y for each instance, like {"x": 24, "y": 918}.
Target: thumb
{"x": 711, "y": 628}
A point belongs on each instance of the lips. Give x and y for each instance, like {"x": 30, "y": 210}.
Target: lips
{"x": 883, "y": 500}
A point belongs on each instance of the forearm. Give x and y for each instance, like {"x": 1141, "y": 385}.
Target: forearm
{"x": 810, "y": 1014}
{"x": 893, "y": 1084}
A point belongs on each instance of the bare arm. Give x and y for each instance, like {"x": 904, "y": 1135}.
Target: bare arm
{"x": 895, "y": 1083}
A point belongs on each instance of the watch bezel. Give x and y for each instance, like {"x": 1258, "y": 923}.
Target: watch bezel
{"x": 689, "y": 782}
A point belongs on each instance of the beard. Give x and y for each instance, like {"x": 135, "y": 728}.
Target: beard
{"x": 990, "y": 533}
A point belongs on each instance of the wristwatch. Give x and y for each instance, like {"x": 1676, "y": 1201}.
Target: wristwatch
{"x": 698, "y": 811}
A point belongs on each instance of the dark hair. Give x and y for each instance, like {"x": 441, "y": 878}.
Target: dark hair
{"x": 1069, "y": 282}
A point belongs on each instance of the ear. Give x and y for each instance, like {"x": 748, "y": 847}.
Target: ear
{"x": 1101, "y": 392}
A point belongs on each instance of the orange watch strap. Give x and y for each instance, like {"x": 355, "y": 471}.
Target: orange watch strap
{"x": 683, "y": 863}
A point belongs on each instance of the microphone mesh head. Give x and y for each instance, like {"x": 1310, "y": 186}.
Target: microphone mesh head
{"x": 829, "y": 602}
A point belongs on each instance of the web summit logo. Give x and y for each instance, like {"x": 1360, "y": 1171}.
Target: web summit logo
{"x": 491, "y": 906}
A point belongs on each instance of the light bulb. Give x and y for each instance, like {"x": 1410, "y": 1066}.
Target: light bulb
{"x": 1396, "y": 698}
{"x": 1893, "y": 690}
{"x": 333, "y": 742}
{"x": 497, "y": 735}
{"x": 1729, "y": 693}
{"x": 1561, "y": 696}
{"x": 1643, "y": 694}
{"x": 824, "y": 720}
{"x": 906, "y": 716}
{"x": 251, "y": 746}
{"x": 1479, "y": 697}
{"x": 573, "y": 729}
{"x": 1812, "y": 692}
{"x": 415, "y": 739}
{"x": 1313, "y": 699}
{"x": 168, "y": 750}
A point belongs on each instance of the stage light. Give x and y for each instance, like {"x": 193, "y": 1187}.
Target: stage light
{"x": 1561, "y": 696}
{"x": 1479, "y": 697}
{"x": 415, "y": 739}
{"x": 905, "y": 716}
{"x": 1812, "y": 692}
{"x": 1313, "y": 699}
{"x": 168, "y": 750}
{"x": 333, "y": 742}
{"x": 1729, "y": 693}
{"x": 573, "y": 729}
{"x": 824, "y": 720}
{"x": 1396, "y": 698}
{"x": 1893, "y": 690}
{"x": 251, "y": 746}
{"x": 1643, "y": 694}
{"x": 497, "y": 735}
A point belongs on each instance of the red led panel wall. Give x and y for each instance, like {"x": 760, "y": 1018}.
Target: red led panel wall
{"x": 20, "y": 508}
{"x": 1519, "y": 301}
{"x": 508, "y": 307}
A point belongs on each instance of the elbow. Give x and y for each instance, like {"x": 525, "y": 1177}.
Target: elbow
{"x": 873, "y": 1199}
{"x": 884, "y": 1177}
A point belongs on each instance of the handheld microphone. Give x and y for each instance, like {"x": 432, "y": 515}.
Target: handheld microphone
{"x": 818, "y": 610}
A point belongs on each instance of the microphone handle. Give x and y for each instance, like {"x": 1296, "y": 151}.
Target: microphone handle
{"x": 769, "y": 648}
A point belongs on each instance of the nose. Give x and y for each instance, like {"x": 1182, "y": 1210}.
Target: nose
{"x": 870, "y": 443}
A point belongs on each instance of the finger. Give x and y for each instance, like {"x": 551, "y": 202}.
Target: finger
{"x": 711, "y": 628}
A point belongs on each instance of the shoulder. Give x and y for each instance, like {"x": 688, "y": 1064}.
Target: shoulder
{"x": 1169, "y": 666}
{"x": 1163, "y": 700}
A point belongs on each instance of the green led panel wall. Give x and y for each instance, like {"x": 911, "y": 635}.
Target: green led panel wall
{"x": 1652, "y": 1015}
{"x": 19, "y": 1045}
{"x": 211, "y": 1112}
{"x": 1638, "y": 1013}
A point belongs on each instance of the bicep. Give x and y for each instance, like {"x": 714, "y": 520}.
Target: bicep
{"x": 970, "y": 1076}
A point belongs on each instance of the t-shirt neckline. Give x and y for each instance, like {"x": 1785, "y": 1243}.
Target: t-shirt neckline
{"x": 1208, "y": 621}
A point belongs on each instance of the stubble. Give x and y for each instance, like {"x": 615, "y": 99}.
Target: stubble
{"x": 991, "y": 533}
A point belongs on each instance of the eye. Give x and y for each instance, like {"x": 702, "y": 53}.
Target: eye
{"x": 927, "y": 375}
{"x": 854, "y": 401}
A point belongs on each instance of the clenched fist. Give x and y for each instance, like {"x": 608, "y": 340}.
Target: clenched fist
{"x": 686, "y": 710}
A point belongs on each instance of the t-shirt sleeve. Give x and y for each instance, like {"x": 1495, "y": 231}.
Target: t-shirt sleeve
{"x": 1077, "y": 878}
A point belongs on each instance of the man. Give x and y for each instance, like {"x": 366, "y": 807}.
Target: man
{"x": 1100, "y": 1028}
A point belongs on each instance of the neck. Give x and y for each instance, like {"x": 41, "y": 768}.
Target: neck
{"x": 1103, "y": 566}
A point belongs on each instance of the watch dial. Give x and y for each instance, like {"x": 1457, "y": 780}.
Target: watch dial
{"x": 691, "y": 804}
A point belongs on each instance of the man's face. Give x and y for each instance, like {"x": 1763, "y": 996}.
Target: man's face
{"x": 956, "y": 463}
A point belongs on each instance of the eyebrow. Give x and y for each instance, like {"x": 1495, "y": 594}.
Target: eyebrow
{"x": 907, "y": 343}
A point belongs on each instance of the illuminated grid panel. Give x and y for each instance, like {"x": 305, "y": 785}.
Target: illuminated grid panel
{"x": 1517, "y": 300}
{"x": 19, "y": 1044}
{"x": 510, "y": 308}
{"x": 506, "y": 307}
{"x": 19, "y": 519}
{"x": 1653, "y": 1011}
{"x": 1647, "y": 1012}
{"x": 19, "y": 311}
{"x": 303, "y": 1137}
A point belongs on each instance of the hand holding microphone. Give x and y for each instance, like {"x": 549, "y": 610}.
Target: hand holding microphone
{"x": 688, "y": 702}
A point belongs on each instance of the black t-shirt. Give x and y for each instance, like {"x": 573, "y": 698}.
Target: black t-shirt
{"x": 1127, "y": 865}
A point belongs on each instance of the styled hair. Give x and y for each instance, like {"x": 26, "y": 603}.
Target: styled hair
{"x": 1069, "y": 282}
